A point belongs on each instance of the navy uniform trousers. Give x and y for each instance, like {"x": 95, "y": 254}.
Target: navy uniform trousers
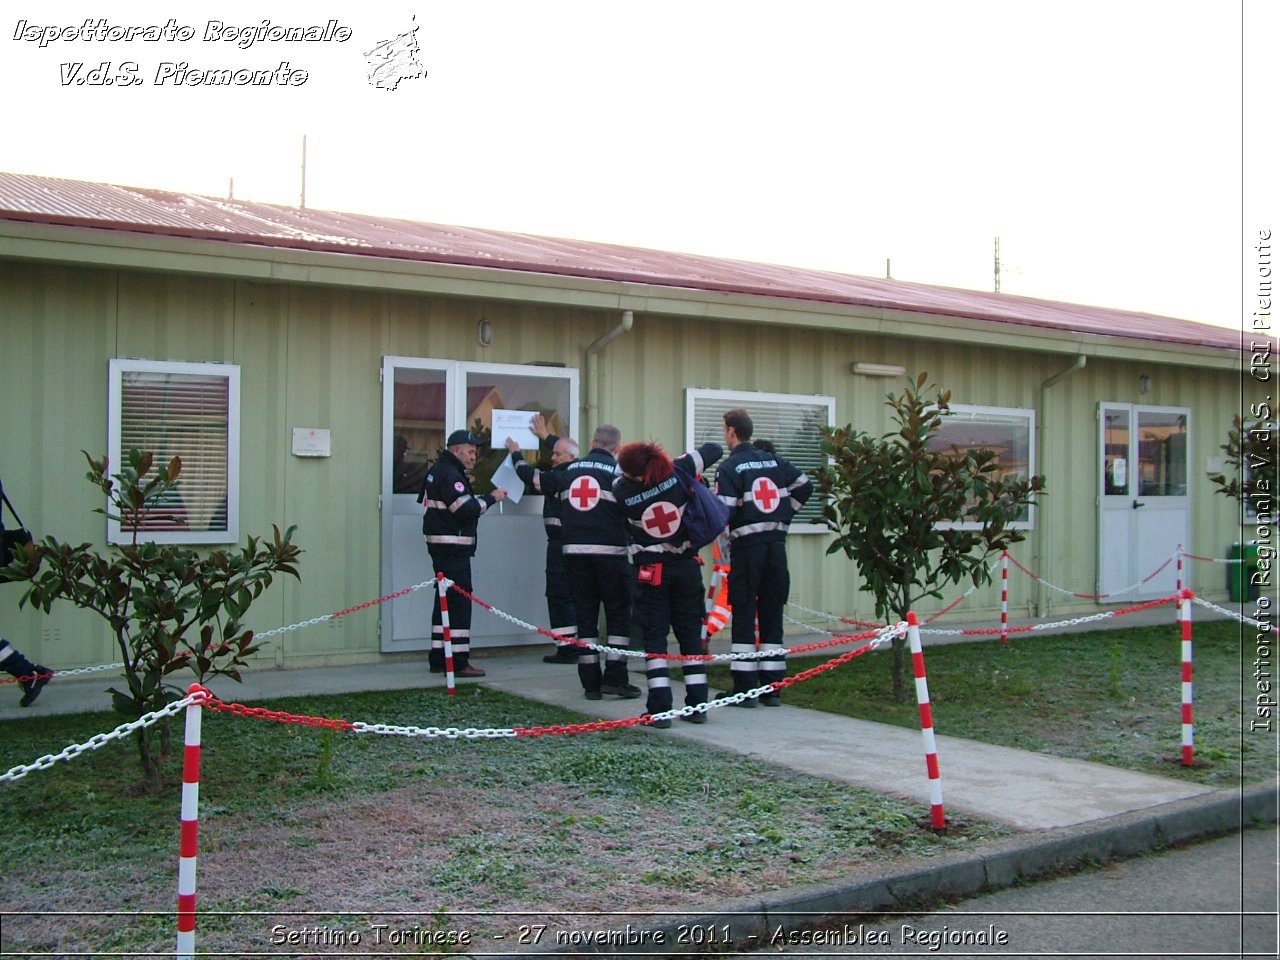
{"x": 678, "y": 605}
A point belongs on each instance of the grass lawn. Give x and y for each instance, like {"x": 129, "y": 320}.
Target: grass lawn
{"x": 307, "y": 827}
{"x": 1110, "y": 696}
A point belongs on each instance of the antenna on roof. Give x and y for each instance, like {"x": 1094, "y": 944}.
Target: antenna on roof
{"x": 303, "y": 202}
{"x": 231, "y": 188}
{"x": 997, "y": 264}
{"x": 887, "y": 274}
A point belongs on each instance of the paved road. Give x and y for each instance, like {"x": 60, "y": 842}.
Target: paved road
{"x": 1213, "y": 899}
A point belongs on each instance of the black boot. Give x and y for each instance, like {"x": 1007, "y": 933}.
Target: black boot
{"x": 32, "y": 687}
{"x": 31, "y": 677}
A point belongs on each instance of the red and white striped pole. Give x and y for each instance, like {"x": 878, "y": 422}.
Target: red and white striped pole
{"x": 443, "y": 585}
{"x": 187, "y": 845}
{"x": 1004, "y": 596}
{"x": 1188, "y": 727}
{"x": 1178, "y": 606}
{"x": 939, "y": 817}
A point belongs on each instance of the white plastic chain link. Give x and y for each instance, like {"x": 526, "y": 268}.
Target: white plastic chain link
{"x": 98, "y": 740}
{"x": 1236, "y": 616}
{"x": 448, "y": 733}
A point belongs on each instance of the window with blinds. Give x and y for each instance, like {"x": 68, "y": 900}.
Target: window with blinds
{"x": 189, "y": 411}
{"x": 789, "y": 421}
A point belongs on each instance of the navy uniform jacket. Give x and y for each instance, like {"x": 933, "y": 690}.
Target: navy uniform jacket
{"x": 763, "y": 493}
{"x": 655, "y": 515}
{"x": 452, "y": 509}
{"x": 590, "y": 522}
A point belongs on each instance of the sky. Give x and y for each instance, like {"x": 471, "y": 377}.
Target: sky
{"x": 1120, "y": 150}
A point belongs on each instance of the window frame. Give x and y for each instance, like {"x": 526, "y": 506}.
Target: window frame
{"x": 1029, "y": 414}
{"x": 745, "y": 398}
{"x": 118, "y": 368}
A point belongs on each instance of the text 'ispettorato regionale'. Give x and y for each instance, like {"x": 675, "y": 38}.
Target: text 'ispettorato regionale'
{"x": 126, "y": 73}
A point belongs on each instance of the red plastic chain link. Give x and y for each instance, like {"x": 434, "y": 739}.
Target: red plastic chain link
{"x": 371, "y": 603}
{"x": 1122, "y": 612}
{"x": 259, "y": 713}
{"x": 821, "y": 668}
{"x": 838, "y": 641}
{"x": 566, "y": 729}
{"x": 948, "y": 608}
{"x": 32, "y": 676}
{"x": 1157, "y": 570}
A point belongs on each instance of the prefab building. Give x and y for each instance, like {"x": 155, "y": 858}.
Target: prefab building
{"x": 307, "y": 365}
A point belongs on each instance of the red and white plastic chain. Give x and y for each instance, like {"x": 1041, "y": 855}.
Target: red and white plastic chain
{"x": 640, "y": 654}
{"x": 1091, "y": 596}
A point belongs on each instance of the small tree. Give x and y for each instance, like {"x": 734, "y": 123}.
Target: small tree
{"x": 887, "y": 497}
{"x": 169, "y": 607}
{"x": 1251, "y": 451}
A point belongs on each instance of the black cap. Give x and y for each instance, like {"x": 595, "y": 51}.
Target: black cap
{"x": 462, "y": 436}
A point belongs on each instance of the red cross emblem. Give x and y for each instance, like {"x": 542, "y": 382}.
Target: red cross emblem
{"x": 584, "y": 493}
{"x": 660, "y": 520}
{"x": 765, "y": 495}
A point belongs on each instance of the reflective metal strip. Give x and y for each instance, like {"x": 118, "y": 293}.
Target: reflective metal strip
{"x": 658, "y": 682}
{"x": 697, "y": 459}
{"x": 453, "y": 631}
{"x": 594, "y": 550}
{"x": 458, "y": 504}
{"x": 461, "y": 541}
{"x": 800, "y": 481}
{"x": 636, "y": 548}
{"x": 750, "y": 528}
{"x": 731, "y": 501}
{"x": 436, "y": 505}
{"x": 551, "y": 521}
{"x": 604, "y": 495}
{"x": 796, "y": 504}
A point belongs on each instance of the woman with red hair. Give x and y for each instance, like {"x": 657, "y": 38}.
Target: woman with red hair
{"x": 668, "y": 579}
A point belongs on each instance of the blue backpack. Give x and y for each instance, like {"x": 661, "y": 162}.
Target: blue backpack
{"x": 705, "y": 515}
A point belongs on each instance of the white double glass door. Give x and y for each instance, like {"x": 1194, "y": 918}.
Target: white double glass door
{"x": 1145, "y": 507}
{"x": 423, "y": 401}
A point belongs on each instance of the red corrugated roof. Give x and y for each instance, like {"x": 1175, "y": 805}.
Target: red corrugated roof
{"x": 103, "y": 206}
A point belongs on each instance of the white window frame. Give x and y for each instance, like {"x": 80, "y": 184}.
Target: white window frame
{"x": 1030, "y": 416}
{"x": 745, "y": 398}
{"x": 115, "y": 390}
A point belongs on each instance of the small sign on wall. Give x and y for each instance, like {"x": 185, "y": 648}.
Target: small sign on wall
{"x": 310, "y": 442}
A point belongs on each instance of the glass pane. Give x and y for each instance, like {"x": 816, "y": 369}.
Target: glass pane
{"x": 790, "y": 427}
{"x": 487, "y": 392}
{"x": 1115, "y": 473}
{"x": 185, "y": 416}
{"x": 419, "y": 427}
{"x": 1162, "y": 454}
{"x": 1008, "y": 435}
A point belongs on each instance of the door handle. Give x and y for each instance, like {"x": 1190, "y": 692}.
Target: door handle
{"x": 1137, "y": 504}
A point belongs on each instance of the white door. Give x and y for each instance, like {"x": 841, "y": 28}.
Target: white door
{"x": 1144, "y": 507}
{"x": 423, "y": 401}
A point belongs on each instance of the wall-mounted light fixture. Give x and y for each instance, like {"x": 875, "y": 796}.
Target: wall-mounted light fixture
{"x": 878, "y": 369}
{"x": 484, "y": 333}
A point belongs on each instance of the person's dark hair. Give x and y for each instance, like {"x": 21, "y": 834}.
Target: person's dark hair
{"x": 648, "y": 461}
{"x": 765, "y": 445}
{"x": 740, "y": 420}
